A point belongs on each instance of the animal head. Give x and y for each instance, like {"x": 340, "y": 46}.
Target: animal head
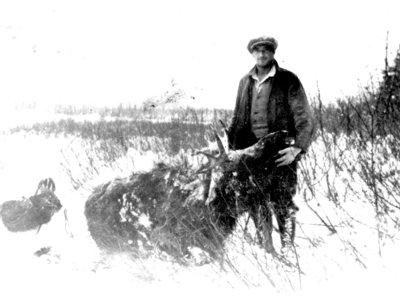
{"x": 223, "y": 163}
{"x": 45, "y": 194}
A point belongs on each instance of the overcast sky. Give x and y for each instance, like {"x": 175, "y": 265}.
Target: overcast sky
{"x": 111, "y": 52}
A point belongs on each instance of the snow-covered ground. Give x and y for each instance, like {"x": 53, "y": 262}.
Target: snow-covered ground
{"x": 353, "y": 263}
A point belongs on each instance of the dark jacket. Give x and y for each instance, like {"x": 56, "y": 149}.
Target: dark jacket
{"x": 287, "y": 109}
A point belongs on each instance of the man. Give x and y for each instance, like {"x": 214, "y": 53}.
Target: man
{"x": 270, "y": 99}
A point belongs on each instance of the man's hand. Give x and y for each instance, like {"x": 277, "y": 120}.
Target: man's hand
{"x": 288, "y": 156}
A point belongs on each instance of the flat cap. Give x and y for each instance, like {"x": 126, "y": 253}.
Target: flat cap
{"x": 268, "y": 41}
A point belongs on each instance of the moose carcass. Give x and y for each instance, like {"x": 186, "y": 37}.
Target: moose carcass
{"x": 31, "y": 213}
{"x": 174, "y": 208}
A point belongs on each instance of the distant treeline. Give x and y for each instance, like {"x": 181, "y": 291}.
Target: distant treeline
{"x": 153, "y": 113}
{"x": 374, "y": 112}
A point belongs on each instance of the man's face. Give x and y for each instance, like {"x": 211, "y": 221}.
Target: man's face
{"x": 263, "y": 55}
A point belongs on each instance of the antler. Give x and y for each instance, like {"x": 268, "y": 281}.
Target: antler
{"x": 252, "y": 151}
{"x": 234, "y": 156}
{"x": 225, "y": 130}
{"x": 46, "y": 184}
{"x": 213, "y": 160}
{"x": 228, "y": 159}
{"x": 267, "y": 142}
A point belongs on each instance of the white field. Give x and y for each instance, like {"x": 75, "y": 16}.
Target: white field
{"x": 354, "y": 263}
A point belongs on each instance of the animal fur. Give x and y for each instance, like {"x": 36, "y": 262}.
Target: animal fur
{"x": 166, "y": 209}
{"x": 33, "y": 212}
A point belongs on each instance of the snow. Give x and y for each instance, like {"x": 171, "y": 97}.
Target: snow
{"x": 353, "y": 263}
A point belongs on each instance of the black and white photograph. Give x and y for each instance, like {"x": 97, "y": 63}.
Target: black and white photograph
{"x": 199, "y": 150}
